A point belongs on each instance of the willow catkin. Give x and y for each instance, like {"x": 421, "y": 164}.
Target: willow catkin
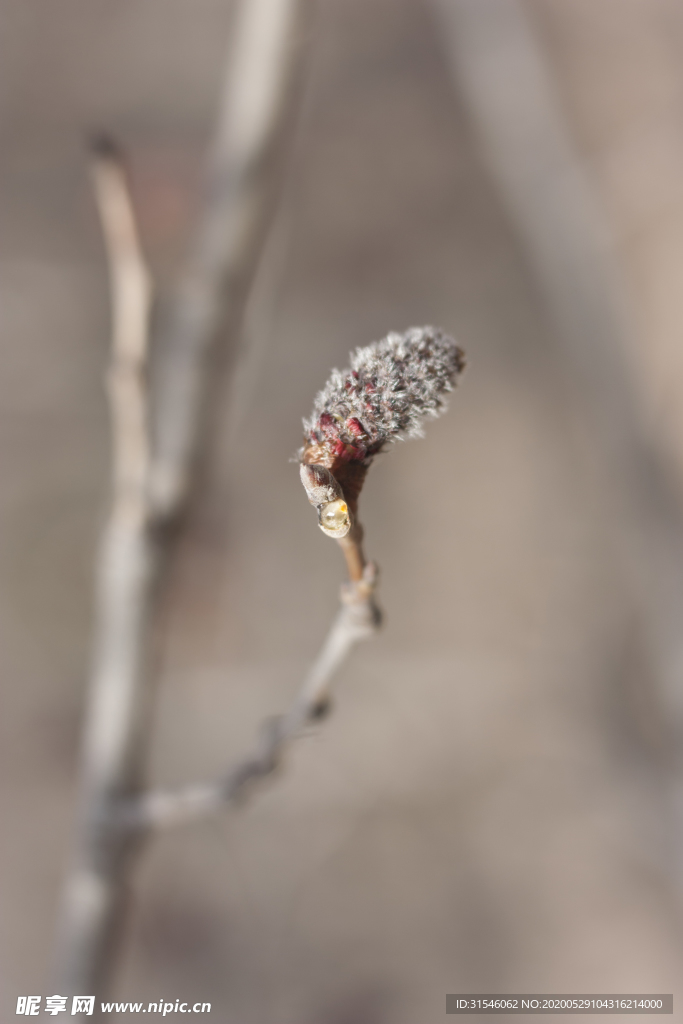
{"x": 391, "y": 387}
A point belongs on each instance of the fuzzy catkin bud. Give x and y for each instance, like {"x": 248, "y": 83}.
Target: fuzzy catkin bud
{"x": 390, "y": 388}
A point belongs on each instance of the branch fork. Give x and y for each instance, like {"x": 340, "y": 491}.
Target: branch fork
{"x": 392, "y": 386}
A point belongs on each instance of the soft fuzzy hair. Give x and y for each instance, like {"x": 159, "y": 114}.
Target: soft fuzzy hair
{"x": 390, "y": 388}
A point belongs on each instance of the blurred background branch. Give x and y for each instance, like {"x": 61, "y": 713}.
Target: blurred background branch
{"x": 116, "y": 718}
{"x": 199, "y": 331}
{"x": 253, "y": 131}
{"x": 501, "y": 73}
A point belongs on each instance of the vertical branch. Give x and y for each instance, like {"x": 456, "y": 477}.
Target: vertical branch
{"x": 131, "y": 294}
{"x": 152, "y": 476}
{"x": 116, "y": 710}
{"x": 246, "y": 168}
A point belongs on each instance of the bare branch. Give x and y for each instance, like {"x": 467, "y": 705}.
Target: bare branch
{"x": 245, "y": 174}
{"x": 131, "y": 293}
{"x": 390, "y": 388}
{"x": 117, "y": 705}
{"x": 358, "y": 619}
{"x": 151, "y": 477}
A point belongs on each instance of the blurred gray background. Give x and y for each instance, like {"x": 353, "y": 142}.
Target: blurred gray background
{"x": 486, "y": 809}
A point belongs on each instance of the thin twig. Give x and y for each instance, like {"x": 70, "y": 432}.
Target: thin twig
{"x": 116, "y": 709}
{"x": 245, "y": 176}
{"x": 151, "y": 478}
{"x": 352, "y": 546}
{"x": 358, "y": 619}
{"x": 391, "y": 387}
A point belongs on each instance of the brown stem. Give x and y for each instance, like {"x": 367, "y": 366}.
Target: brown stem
{"x": 358, "y": 619}
{"x": 352, "y": 546}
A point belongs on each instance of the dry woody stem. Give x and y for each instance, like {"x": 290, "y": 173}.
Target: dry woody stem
{"x": 157, "y": 435}
{"x": 246, "y": 167}
{"x": 358, "y": 619}
{"x": 115, "y": 715}
{"x": 391, "y": 387}
{"x": 156, "y": 439}
{"x": 408, "y": 377}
